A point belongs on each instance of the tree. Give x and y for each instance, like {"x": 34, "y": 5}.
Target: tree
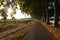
{"x": 6, "y": 4}
{"x": 32, "y": 7}
{"x": 57, "y": 12}
{"x": 4, "y": 14}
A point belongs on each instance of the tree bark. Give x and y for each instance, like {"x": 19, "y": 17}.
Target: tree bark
{"x": 56, "y": 13}
{"x": 47, "y": 14}
{"x": 44, "y": 11}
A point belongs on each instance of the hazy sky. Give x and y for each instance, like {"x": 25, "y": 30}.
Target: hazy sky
{"x": 18, "y": 14}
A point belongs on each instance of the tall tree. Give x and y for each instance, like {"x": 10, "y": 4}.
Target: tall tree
{"x": 57, "y": 12}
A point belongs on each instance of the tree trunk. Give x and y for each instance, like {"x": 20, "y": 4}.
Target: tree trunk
{"x": 44, "y": 11}
{"x": 4, "y": 17}
{"x": 56, "y": 13}
{"x": 47, "y": 14}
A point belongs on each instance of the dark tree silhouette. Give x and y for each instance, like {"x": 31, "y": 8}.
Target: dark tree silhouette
{"x": 40, "y": 9}
{"x": 57, "y": 12}
{"x": 4, "y": 14}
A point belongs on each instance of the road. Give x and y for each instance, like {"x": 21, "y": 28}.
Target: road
{"x": 38, "y": 32}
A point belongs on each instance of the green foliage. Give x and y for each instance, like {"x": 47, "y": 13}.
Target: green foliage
{"x": 7, "y": 3}
{"x": 32, "y": 7}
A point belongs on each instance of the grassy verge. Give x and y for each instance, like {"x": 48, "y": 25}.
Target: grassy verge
{"x": 19, "y": 35}
{"x": 6, "y": 24}
{"x": 54, "y": 30}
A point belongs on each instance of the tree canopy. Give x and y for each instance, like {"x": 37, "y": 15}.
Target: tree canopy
{"x": 33, "y": 7}
{"x": 37, "y": 8}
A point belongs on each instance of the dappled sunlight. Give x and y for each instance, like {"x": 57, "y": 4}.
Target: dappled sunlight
{"x": 1, "y": 17}
{"x": 1, "y": 7}
{"x": 18, "y": 14}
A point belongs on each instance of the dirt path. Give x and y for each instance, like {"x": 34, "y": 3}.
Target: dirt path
{"x": 5, "y": 33}
{"x": 38, "y": 32}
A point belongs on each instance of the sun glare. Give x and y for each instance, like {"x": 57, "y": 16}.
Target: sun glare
{"x": 18, "y": 14}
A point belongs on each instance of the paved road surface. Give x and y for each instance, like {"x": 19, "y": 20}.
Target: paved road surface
{"x": 38, "y": 32}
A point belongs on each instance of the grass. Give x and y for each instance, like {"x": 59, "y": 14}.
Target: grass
{"x": 18, "y": 35}
{"x": 13, "y": 20}
{"x": 4, "y": 24}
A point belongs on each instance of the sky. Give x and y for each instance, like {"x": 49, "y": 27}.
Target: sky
{"x": 18, "y": 14}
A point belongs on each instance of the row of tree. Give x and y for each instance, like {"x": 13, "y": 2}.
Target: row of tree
{"x": 40, "y": 9}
